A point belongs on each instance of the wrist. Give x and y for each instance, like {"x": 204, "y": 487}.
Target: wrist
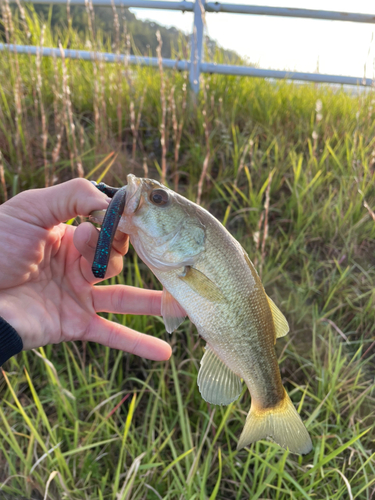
{"x": 11, "y": 312}
{"x": 14, "y": 313}
{"x": 10, "y": 341}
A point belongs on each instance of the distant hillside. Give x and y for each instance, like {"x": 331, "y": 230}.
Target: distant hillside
{"x": 143, "y": 33}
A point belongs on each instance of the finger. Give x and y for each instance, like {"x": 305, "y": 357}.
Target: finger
{"x": 48, "y": 207}
{"x": 120, "y": 337}
{"x": 122, "y": 299}
{"x": 121, "y": 242}
{"x": 85, "y": 240}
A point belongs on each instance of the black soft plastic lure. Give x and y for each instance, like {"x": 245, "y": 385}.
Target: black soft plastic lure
{"x": 109, "y": 227}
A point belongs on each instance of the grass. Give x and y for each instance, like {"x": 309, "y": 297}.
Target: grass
{"x": 290, "y": 172}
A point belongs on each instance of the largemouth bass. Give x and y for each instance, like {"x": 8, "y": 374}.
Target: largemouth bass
{"x": 208, "y": 276}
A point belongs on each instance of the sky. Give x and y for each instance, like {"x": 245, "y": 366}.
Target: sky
{"x": 333, "y": 47}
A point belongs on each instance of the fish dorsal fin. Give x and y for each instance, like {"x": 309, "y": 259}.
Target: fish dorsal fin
{"x": 202, "y": 285}
{"x": 279, "y": 320}
{"x": 173, "y": 314}
{"x": 217, "y": 384}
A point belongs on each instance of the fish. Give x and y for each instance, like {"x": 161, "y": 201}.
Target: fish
{"x": 208, "y": 276}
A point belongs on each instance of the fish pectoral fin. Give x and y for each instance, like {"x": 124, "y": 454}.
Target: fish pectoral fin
{"x": 173, "y": 314}
{"x": 217, "y": 384}
{"x": 279, "y": 320}
{"x": 202, "y": 285}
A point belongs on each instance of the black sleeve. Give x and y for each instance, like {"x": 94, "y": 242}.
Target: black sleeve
{"x": 10, "y": 342}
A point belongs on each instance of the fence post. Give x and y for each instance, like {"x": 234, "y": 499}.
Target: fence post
{"x": 196, "y": 46}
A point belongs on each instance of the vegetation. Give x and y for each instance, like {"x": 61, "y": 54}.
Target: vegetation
{"x": 289, "y": 169}
{"x": 142, "y": 34}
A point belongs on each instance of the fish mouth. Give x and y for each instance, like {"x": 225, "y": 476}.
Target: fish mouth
{"x": 133, "y": 199}
{"x": 133, "y": 194}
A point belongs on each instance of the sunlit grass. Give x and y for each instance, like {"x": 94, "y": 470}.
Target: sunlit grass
{"x": 80, "y": 421}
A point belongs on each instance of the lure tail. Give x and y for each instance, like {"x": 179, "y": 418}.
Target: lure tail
{"x": 281, "y": 423}
{"x": 110, "y": 222}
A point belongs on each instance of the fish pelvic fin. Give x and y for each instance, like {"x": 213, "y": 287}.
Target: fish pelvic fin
{"x": 282, "y": 424}
{"x": 173, "y": 314}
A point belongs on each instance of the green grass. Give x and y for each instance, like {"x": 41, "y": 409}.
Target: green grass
{"x": 61, "y": 432}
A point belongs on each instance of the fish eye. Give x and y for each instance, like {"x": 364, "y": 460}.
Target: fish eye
{"x": 159, "y": 197}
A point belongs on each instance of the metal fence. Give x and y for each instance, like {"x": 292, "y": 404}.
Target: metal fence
{"x": 196, "y": 65}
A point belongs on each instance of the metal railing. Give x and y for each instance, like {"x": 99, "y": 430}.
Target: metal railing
{"x": 196, "y": 65}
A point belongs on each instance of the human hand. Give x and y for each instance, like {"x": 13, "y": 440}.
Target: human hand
{"x": 47, "y": 290}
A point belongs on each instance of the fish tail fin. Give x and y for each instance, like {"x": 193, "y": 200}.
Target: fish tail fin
{"x": 281, "y": 423}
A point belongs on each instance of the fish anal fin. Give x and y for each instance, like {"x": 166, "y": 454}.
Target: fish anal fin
{"x": 202, "y": 285}
{"x": 217, "y": 383}
{"x": 173, "y": 314}
{"x": 279, "y": 320}
{"x": 281, "y": 423}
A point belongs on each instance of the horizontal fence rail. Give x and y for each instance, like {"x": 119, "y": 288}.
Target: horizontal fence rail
{"x": 86, "y": 55}
{"x": 211, "y": 68}
{"x": 228, "y": 8}
{"x": 225, "y": 69}
{"x": 196, "y": 66}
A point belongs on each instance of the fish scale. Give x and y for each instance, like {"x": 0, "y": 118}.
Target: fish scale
{"x": 209, "y": 277}
{"x": 256, "y": 326}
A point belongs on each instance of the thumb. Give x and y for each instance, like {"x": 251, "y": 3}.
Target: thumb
{"x": 48, "y": 207}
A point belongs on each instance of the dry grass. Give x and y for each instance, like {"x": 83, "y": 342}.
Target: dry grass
{"x": 289, "y": 170}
